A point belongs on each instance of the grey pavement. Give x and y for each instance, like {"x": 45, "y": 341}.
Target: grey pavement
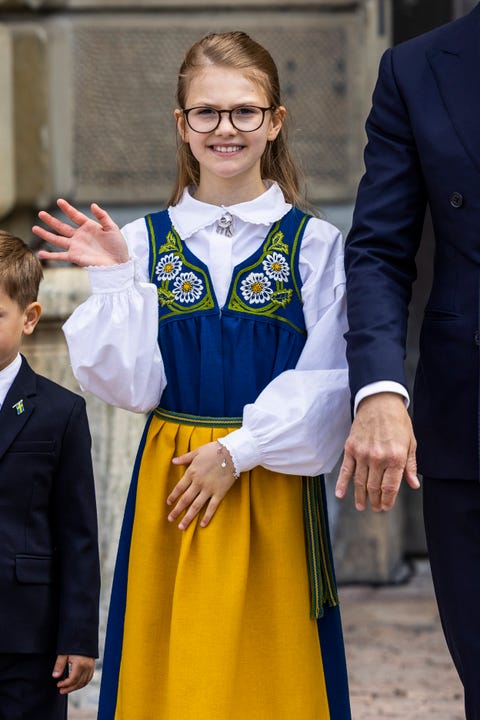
{"x": 398, "y": 662}
{"x": 399, "y": 667}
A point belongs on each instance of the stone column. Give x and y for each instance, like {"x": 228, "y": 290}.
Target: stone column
{"x": 7, "y": 145}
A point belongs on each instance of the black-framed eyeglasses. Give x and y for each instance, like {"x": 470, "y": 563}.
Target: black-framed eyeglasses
{"x": 245, "y": 118}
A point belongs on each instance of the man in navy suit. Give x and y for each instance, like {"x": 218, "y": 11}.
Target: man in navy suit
{"x": 423, "y": 150}
{"x": 49, "y": 565}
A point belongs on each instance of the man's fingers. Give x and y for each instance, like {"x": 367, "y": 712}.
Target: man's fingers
{"x": 411, "y": 469}
{"x": 412, "y": 480}
{"x": 391, "y": 481}
{"x": 345, "y": 475}
{"x": 374, "y": 481}
{"x": 360, "y": 481}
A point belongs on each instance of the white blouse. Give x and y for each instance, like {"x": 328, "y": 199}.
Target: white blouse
{"x": 299, "y": 422}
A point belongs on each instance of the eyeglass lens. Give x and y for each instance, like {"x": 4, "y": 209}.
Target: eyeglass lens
{"x": 205, "y": 119}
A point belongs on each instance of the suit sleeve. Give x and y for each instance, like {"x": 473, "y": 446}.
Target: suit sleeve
{"x": 383, "y": 241}
{"x": 77, "y": 539}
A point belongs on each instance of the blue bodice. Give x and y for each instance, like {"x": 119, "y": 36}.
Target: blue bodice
{"x": 219, "y": 359}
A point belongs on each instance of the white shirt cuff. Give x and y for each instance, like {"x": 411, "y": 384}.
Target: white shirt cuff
{"x": 111, "y": 278}
{"x": 379, "y": 387}
{"x": 242, "y": 448}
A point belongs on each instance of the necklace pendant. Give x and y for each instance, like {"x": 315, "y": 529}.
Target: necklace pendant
{"x": 225, "y": 225}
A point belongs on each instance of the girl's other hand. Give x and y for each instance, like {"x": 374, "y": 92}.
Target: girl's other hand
{"x": 205, "y": 482}
{"x": 87, "y": 241}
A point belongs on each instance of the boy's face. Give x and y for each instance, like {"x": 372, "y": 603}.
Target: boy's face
{"x": 14, "y": 322}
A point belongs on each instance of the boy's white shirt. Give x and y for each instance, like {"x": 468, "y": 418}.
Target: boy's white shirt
{"x": 299, "y": 423}
{"x": 7, "y": 376}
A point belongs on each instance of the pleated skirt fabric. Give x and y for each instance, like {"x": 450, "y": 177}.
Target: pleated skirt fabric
{"x": 213, "y": 623}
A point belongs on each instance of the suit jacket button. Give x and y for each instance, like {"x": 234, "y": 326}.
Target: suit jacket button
{"x": 456, "y": 200}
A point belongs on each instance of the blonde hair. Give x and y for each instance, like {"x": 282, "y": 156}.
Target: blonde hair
{"x": 20, "y": 270}
{"x": 238, "y": 51}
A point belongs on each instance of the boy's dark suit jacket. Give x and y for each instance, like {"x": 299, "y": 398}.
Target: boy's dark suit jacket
{"x": 49, "y": 565}
{"x": 423, "y": 147}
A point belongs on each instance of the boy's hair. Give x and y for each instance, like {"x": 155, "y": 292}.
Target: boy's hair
{"x": 20, "y": 270}
{"x": 238, "y": 51}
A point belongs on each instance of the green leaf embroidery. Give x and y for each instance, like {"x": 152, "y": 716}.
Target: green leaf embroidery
{"x": 282, "y": 297}
{"x": 171, "y": 244}
{"x": 276, "y": 243}
{"x": 165, "y": 297}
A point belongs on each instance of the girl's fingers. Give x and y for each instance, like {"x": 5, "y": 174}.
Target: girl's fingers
{"x": 186, "y": 458}
{"x": 60, "y": 227}
{"x": 192, "y": 512}
{"x": 186, "y": 501}
{"x": 204, "y": 485}
{"x": 51, "y": 237}
{"x": 209, "y": 512}
{"x": 103, "y": 217}
{"x": 181, "y": 487}
{"x": 47, "y": 255}
{"x": 70, "y": 211}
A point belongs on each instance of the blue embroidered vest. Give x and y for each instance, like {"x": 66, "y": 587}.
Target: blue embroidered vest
{"x": 219, "y": 359}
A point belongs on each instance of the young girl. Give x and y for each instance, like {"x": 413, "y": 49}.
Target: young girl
{"x": 224, "y": 317}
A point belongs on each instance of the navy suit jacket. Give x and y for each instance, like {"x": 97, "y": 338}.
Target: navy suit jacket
{"x": 49, "y": 565}
{"x": 423, "y": 148}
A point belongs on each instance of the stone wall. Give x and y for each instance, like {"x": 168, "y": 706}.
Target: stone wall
{"x": 90, "y": 95}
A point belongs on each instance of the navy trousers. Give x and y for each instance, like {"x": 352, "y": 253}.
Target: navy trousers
{"x": 451, "y": 511}
{"x": 27, "y": 689}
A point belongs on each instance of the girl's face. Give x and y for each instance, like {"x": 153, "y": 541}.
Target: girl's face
{"x": 227, "y": 154}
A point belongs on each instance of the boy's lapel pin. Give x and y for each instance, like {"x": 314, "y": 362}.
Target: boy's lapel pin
{"x": 19, "y": 407}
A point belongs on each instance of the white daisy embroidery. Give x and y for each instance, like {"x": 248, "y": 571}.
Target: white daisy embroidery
{"x": 256, "y": 288}
{"x": 168, "y": 267}
{"x": 276, "y": 267}
{"x": 187, "y": 287}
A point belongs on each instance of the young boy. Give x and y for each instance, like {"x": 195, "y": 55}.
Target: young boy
{"x": 49, "y": 565}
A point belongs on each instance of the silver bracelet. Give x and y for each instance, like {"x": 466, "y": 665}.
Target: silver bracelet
{"x": 221, "y": 451}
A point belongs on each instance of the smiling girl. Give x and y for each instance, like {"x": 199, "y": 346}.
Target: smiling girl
{"x": 223, "y": 317}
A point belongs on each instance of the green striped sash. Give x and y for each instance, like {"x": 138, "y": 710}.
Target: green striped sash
{"x": 323, "y": 589}
{"x": 202, "y": 420}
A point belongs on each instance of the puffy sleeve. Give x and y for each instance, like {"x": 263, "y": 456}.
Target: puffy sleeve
{"x": 112, "y": 336}
{"x": 300, "y": 421}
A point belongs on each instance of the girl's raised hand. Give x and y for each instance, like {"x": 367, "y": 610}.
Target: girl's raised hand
{"x": 209, "y": 476}
{"x": 87, "y": 241}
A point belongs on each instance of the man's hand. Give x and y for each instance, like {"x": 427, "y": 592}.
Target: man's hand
{"x": 379, "y": 451}
{"x": 80, "y": 672}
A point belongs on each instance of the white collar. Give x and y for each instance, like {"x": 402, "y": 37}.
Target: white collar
{"x": 191, "y": 215}
{"x": 7, "y": 376}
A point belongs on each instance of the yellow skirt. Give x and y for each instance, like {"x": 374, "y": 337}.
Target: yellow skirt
{"x": 217, "y": 620}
